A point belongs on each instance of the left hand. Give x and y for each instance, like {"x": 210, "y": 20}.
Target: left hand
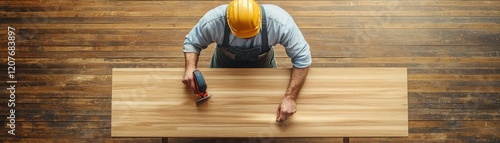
{"x": 287, "y": 108}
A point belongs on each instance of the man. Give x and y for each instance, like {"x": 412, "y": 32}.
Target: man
{"x": 246, "y": 33}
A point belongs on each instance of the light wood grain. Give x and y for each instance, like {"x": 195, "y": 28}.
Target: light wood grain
{"x": 334, "y": 102}
{"x": 66, "y": 51}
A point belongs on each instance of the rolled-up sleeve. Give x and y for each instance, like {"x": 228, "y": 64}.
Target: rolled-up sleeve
{"x": 296, "y": 46}
{"x": 198, "y": 38}
{"x": 205, "y": 32}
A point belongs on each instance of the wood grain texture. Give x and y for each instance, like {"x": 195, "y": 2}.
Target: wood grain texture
{"x": 334, "y": 102}
{"x": 67, "y": 49}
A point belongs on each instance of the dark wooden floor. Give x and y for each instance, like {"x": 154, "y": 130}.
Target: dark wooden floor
{"x": 65, "y": 52}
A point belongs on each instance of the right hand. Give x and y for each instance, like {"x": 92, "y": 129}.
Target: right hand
{"x": 188, "y": 79}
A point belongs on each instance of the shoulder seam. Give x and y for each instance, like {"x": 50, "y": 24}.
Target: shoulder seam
{"x": 211, "y": 20}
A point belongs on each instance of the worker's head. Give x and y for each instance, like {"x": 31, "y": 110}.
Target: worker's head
{"x": 244, "y": 18}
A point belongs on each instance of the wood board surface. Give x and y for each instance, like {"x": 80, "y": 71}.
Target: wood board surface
{"x": 334, "y": 102}
{"x": 67, "y": 49}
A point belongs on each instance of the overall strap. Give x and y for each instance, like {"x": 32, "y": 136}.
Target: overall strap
{"x": 265, "y": 46}
{"x": 225, "y": 42}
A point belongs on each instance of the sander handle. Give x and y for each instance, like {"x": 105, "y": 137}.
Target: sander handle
{"x": 199, "y": 81}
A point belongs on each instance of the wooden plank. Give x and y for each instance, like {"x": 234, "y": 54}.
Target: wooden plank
{"x": 323, "y": 3}
{"x": 142, "y": 23}
{"x": 139, "y": 3}
{"x": 63, "y": 125}
{"x": 44, "y": 116}
{"x": 339, "y": 37}
{"x": 295, "y": 8}
{"x": 257, "y": 139}
{"x": 454, "y": 114}
{"x": 305, "y": 22}
{"x": 326, "y": 108}
{"x": 91, "y": 53}
{"x": 441, "y": 131}
{"x": 79, "y": 140}
{"x": 199, "y": 12}
{"x": 77, "y": 62}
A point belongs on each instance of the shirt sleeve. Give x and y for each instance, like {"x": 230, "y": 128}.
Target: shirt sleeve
{"x": 202, "y": 35}
{"x": 295, "y": 45}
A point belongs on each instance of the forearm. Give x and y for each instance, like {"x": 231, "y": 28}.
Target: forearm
{"x": 191, "y": 60}
{"x": 297, "y": 79}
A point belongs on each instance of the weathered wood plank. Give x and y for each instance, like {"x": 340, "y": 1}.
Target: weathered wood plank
{"x": 453, "y": 114}
{"x": 81, "y": 140}
{"x": 51, "y": 116}
{"x": 316, "y": 50}
{"x": 282, "y": 62}
{"x": 61, "y": 125}
{"x": 295, "y": 8}
{"x": 357, "y": 51}
{"x": 320, "y": 3}
{"x": 319, "y": 51}
{"x": 79, "y": 62}
{"x": 347, "y": 37}
{"x": 467, "y": 100}
{"x": 161, "y": 23}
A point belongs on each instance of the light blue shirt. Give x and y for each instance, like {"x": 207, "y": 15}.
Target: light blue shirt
{"x": 281, "y": 29}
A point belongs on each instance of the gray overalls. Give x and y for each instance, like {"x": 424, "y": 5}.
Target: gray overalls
{"x": 261, "y": 56}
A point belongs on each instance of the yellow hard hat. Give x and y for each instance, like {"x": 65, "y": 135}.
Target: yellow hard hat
{"x": 244, "y": 18}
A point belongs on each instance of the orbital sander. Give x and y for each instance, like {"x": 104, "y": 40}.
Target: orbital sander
{"x": 200, "y": 86}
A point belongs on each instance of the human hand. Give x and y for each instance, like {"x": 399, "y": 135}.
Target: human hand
{"x": 188, "y": 79}
{"x": 287, "y": 108}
